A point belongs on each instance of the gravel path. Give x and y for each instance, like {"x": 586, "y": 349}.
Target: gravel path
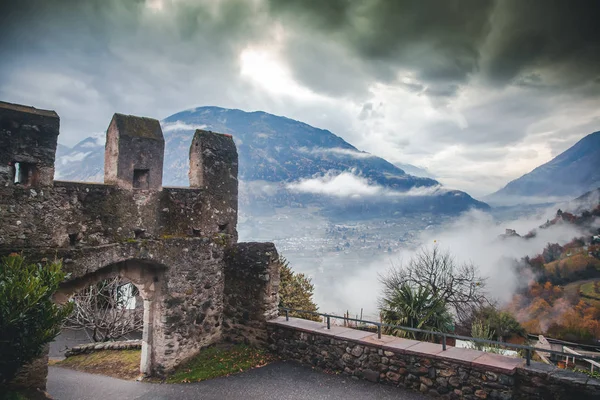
{"x": 280, "y": 380}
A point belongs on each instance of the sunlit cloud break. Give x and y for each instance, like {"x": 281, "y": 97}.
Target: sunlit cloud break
{"x": 349, "y": 184}
{"x": 336, "y": 151}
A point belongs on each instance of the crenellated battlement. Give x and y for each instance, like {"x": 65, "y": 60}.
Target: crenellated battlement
{"x": 132, "y": 202}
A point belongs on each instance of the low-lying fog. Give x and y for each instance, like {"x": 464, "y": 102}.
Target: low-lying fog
{"x": 345, "y": 260}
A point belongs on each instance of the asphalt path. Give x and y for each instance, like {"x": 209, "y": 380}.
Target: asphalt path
{"x": 279, "y": 380}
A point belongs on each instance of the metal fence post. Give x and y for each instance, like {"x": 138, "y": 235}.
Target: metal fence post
{"x": 444, "y": 342}
{"x": 528, "y": 353}
{"x": 378, "y": 331}
{"x": 287, "y": 315}
{"x": 328, "y": 322}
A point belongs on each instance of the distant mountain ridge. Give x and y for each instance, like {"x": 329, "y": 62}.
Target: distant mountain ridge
{"x": 571, "y": 173}
{"x": 284, "y": 162}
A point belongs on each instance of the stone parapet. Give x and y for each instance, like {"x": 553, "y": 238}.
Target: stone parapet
{"x": 454, "y": 373}
{"x": 251, "y": 291}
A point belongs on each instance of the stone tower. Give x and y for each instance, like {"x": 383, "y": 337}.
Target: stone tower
{"x": 134, "y": 153}
{"x": 28, "y": 143}
{"x": 214, "y": 168}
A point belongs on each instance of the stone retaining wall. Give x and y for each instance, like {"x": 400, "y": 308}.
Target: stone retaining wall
{"x": 455, "y": 373}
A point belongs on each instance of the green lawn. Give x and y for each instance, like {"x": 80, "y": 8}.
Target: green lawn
{"x": 589, "y": 289}
{"x": 211, "y": 362}
{"x": 220, "y": 361}
{"x": 124, "y": 364}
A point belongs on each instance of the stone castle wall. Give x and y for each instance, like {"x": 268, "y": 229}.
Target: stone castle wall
{"x": 251, "y": 288}
{"x": 170, "y": 242}
{"x": 421, "y": 366}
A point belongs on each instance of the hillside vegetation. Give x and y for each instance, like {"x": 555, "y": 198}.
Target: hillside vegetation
{"x": 563, "y": 298}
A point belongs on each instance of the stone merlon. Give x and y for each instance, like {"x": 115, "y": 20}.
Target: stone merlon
{"x": 27, "y": 145}
{"x": 134, "y": 153}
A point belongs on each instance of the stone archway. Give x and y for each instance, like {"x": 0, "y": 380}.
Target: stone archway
{"x": 148, "y": 277}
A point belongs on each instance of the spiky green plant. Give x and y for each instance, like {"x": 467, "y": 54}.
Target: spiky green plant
{"x": 414, "y": 308}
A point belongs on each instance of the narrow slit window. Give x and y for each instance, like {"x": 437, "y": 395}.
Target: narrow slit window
{"x": 141, "y": 179}
{"x": 23, "y": 173}
{"x": 73, "y": 238}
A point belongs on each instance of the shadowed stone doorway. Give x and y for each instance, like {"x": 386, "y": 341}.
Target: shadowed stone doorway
{"x": 148, "y": 278}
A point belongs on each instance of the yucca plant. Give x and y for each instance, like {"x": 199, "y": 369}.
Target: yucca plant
{"x": 414, "y": 308}
{"x": 29, "y": 319}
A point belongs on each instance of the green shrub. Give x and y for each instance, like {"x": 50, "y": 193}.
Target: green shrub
{"x": 29, "y": 319}
{"x": 296, "y": 292}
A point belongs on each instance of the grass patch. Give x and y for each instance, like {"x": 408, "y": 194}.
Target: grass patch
{"x": 589, "y": 289}
{"x": 220, "y": 361}
{"x": 574, "y": 290}
{"x": 123, "y": 364}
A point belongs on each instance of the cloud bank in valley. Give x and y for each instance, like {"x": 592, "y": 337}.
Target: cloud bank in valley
{"x": 349, "y": 184}
{"x": 472, "y": 238}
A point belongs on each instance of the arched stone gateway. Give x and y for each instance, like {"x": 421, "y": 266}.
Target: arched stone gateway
{"x": 177, "y": 245}
{"x": 148, "y": 277}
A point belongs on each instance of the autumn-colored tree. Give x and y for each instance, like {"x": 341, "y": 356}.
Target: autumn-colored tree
{"x": 537, "y": 263}
{"x": 296, "y": 291}
{"x": 552, "y": 252}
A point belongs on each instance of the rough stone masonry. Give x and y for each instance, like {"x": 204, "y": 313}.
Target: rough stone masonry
{"x": 177, "y": 245}
{"x": 454, "y": 373}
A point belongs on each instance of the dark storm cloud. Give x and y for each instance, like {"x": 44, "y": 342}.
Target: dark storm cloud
{"x": 440, "y": 41}
{"x": 558, "y": 41}
{"x": 540, "y": 43}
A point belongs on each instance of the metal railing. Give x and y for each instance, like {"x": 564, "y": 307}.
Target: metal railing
{"x": 528, "y": 349}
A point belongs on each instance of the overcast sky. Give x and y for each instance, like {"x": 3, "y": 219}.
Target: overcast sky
{"x": 478, "y": 92}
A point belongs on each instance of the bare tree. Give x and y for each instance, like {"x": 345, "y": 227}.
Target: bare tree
{"x": 459, "y": 286}
{"x": 102, "y": 311}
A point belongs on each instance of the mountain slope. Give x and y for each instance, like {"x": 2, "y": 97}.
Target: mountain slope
{"x": 286, "y": 162}
{"x": 573, "y": 172}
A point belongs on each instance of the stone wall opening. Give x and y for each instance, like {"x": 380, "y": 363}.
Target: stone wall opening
{"x": 141, "y": 178}
{"x": 147, "y": 278}
{"x": 24, "y": 173}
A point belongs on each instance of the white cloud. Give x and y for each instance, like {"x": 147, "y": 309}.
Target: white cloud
{"x": 180, "y": 126}
{"x": 345, "y": 184}
{"x": 349, "y": 184}
{"x": 73, "y": 157}
{"x": 336, "y": 151}
{"x": 99, "y": 137}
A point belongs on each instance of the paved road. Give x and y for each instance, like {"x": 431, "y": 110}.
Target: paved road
{"x": 280, "y": 380}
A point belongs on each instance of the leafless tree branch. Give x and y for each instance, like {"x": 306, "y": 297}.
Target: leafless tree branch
{"x": 460, "y": 286}
{"x": 102, "y": 310}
